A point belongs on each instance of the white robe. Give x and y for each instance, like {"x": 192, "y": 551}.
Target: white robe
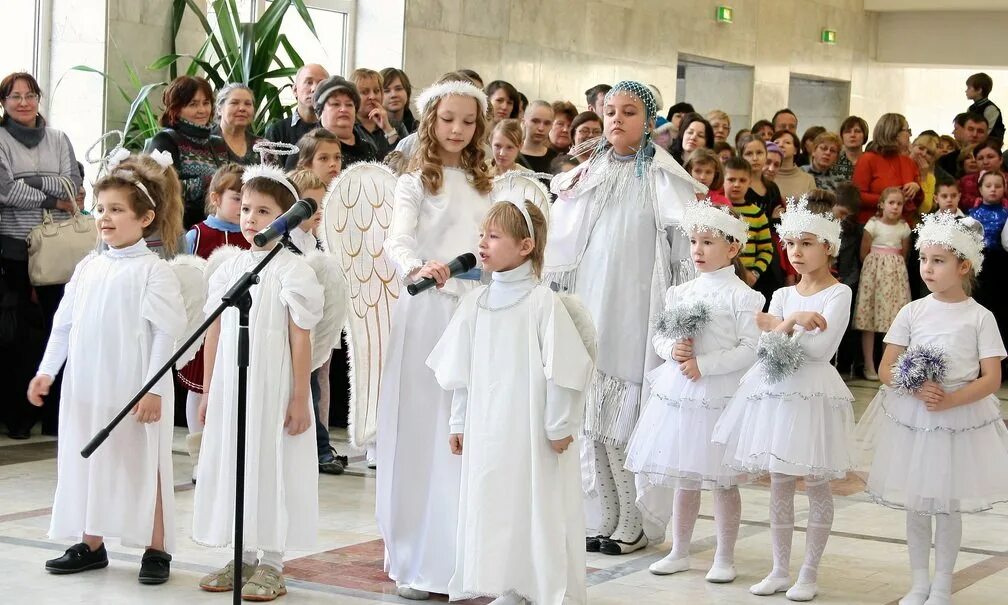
{"x": 115, "y": 327}
{"x": 418, "y": 478}
{"x": 281, "y": 471}
{"x": 518, "y": 368}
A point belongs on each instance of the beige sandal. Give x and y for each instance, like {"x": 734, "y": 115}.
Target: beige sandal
{"x": 222, "y": 580}
{"x": 265, "y": 584}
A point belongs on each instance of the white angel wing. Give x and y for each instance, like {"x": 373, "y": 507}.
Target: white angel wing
{"x": 189, "y": 270}
{"x": 582, "y": 321}
{"x": 357, "y": 216}
{"x": 326, "y": 335}
{"x": 515, "y": 185}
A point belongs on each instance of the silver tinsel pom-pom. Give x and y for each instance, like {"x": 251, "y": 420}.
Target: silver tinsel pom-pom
{"x": 684, "y": 320}
{"x": 918, "y": 364}
{"x": 779, "y": 355}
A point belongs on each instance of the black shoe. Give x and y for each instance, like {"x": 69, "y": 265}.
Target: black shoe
{"x": 19, "y": 434}
{"x": 78, "y": 558}
{"x": 608, "y": 546}
{"x": 332, "y": 464}
{"x": 155, "y": 566}
{"x": 592, "y": 543}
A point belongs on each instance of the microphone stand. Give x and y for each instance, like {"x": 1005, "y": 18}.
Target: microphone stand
{"x": 239, "y": 298}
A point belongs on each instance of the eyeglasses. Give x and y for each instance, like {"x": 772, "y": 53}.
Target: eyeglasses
{"x": 589, "y": 132}
{"x": 29, "y": 98}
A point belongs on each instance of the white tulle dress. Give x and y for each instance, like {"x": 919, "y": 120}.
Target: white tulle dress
{"x": 804, "y": 424}
{"x": 949, "y": 461}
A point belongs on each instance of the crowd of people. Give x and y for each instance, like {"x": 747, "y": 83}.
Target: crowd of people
{"x": 706, "y": 285}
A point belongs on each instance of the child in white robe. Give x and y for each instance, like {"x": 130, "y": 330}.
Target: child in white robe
{"x": 517, "y": 368}
{"x": 115, "y": 327}
{"x": 281, "y": 472}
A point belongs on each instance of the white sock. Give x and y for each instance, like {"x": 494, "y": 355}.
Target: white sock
{"x": 685, "y": 509}
{"x": 918, "y": 533}
{"x": 606, "y": 486}
{"x": 272, "y": 558}
{"x": 192, "y": 412}
{"x": 820, "y": 522}
{"x": 727, "y": 518}
{"x": 630, "y": 524}
{"x": 782, "y": 491}
{"x": 249, "y": 557}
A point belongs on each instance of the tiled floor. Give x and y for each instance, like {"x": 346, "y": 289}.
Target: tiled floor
{"x": 865, "y": 561}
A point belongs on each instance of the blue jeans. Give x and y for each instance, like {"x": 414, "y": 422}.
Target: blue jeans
{"x": 321, "y": 432}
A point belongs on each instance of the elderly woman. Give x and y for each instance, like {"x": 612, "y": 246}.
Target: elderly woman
{"x": 235, "y": 111}
{"x": 888, "y": 165}
{"x": 186, "y": 135}
{"x": 35, "y": 163}
{"x": 585, "y": 127}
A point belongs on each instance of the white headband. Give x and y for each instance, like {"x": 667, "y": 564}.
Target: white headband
{"x": 944, "y": 230}
{"x": 798, "y": 219}
{"x": 525, "y": 214}
{"x": 445, "y": 89}
{"x": 271, "y": 172}
{"x": 119, "y": 154}
{"x": 702, "y": 215}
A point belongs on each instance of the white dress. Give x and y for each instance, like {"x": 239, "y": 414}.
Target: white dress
{"x": 671, "y": 446}
{"x": 948, "y": 461}
{"x": 281, "y": 471}
{"x": 518, "y": 368}
{"x": 417, "y": 487}
{"x": 115, "y": 327}
{"x": 802, "y": 425}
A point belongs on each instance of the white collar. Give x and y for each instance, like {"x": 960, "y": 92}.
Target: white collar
{"x": 132, "y": 251}
{"x": 522, "y": 272}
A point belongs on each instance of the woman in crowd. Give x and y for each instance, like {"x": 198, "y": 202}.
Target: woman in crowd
{"x": 564, "y": 113}
{"x": 35, "y": 163}
{"x": 196, "y": 152}
{"x": 804, "y": 155}
{"x": 721, "y": 124}
{"x": 505, "y": 102}
{"x": 236, "y": 107}
{"x": 791, "y": 180}
{"x": 585, "y": 127}
{"x": 887, "y": 165}
{"x": 853, "y": 133}
{"x": 694, "y": 132}
{"x": 924, "y": 152}
{"x": 398, "y": 92}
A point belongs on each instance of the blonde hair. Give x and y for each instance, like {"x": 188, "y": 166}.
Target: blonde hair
{"x": 427, "y": 159}
{"x": 305, "y": 180}
{"x": 887, "y": 130}
{"x": 827, "y": 137}
{"x": 227, "y": 178}
{"x": 506, "y": 217}
{"x": 717, "y": 114}
{"x": 165, "y": 191}
{"x": 362, "y": 73}
{"x": 512, "y": 131}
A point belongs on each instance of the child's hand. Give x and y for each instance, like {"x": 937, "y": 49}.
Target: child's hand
{"x": 750, "y": 278}
{"x": 439, "y": 272}
{"x": 766, "y": 322}
{"x": 148, "y": 410}
{"x": 299, "y": 417}
{"x": 689, "y": 369}
{"x": 204, "y": 403}
{"x": 39, "y": 388}
{"x": 809, "y": 320}
{"x": 933, "y": 396}
{"x": 560, "y": 445}
{"x": 682, "y": 350}
{"x": 455, "y": 441}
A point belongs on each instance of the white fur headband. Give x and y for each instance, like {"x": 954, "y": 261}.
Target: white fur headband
{"x": 944, "y": 230}
{"x": 271, "y": 172}
{"x": 445, "y": 89}
{"x": 702, "y": 215}
{"x": 798, "y": 219}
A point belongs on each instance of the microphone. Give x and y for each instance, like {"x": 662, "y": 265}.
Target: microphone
{"x": 301, "y": 210}
{"x": 460, "y": 264}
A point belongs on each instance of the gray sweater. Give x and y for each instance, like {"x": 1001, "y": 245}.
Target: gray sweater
{"x": 29, "y": 183}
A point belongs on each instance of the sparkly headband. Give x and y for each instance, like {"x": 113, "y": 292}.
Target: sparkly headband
{"x": 702, "y": 215}
{"x": 798, "y": 219}
{"x": 446, "y": 89}
{"x": 944, "y": 230}
{"x": 269, "y": 171}
{"x": 641, "y": 91}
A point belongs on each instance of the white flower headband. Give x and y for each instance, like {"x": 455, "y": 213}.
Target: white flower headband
{"x": 270, "y": 171}
{"x": 798, "y": 219}
{"x": 944, "y": 230}
{"x": 120, "y": 154}
{"x": 702, "y": 215}
{"x": 446, "y": 89}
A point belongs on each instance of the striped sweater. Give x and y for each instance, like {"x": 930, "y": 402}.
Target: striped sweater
{"x": 758, "y": 251}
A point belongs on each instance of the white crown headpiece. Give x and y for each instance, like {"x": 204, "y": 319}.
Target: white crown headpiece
{"x": 702, "y": 215}
{"x": 798, "y": 219}
{"x": 944, "y": 230}
{"x": 446, "y": 89}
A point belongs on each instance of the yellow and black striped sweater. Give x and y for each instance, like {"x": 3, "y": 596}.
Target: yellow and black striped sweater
{"x": 758, "y": 252}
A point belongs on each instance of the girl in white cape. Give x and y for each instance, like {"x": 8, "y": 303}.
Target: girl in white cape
{"x": 708, "y": 335}
{"x": 115, "y": 327}
{"x": 613, "y": 244}
{"x": 516, "y": 365}
{"x": 281, "y": 469}
{"x": 436, "y": 216}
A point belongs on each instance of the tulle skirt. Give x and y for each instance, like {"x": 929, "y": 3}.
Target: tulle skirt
{"x": 801, "y": 426}
{"x": 952, "y": 461}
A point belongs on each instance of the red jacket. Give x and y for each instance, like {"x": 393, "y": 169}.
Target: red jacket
{"x": 873, "y": 173}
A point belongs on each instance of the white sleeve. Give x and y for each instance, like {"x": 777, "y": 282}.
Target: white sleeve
{"x": 663, "y": 344}
{"x": 822, "y": 345}
{"x": 1004, "y": 236}
{"x": 989, "y": 342}
{"x": 899, "y": 330}
{"x": 777, "y": 303}
{"x": 58, "y": 347}
{"x": 401, "y": 243}
{"x": 162, "y": 347}
{"x": 460, "y": 399}
{"x": 743, "y": 354}
{"x": 561, "y": 406}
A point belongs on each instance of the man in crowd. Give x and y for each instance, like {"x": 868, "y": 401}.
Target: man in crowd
{"x": 290, "y": 130}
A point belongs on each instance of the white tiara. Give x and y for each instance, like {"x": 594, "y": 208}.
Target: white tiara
{"x": 271, "y": 172}
{"x": 798, "y": 219}
{"x": 944, "y": 230}
{"x": 702, "y": 215}
{"x": 446, "y": 89}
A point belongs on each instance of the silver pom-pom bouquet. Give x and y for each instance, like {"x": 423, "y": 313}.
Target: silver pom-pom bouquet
{"x": 918, "y": 364}
{"x": 684, "y": 320}
{"x": 779, "y": 355}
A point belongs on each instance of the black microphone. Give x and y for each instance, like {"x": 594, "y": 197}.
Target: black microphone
{"x": 460, "y": 264}
{"x": 301, "y": 210}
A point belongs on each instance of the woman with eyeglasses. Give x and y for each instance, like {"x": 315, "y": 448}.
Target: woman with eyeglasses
{"x": 38, "y": 173}
{"x": 888, "y": 164}
{"x": 585, "y": 127}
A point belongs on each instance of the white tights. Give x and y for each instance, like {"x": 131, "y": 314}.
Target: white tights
{"x": 621, "y": 520}
{"x": 269, "y": 557}
{"x": 947, "y": 540}
{"x": 727, "y": 518}
{"x": 192, "y": 412}
{"x": 782, "y": 492}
